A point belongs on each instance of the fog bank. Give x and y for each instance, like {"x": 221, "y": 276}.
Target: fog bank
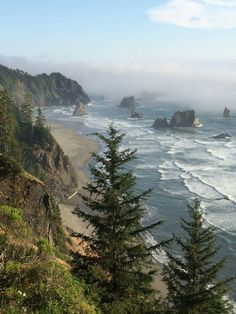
{"x": 204, "y": 85}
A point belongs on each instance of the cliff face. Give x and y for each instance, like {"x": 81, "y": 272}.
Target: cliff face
{"x": 54, "y": 168}
{"x": 29, "y": 194}
{"x": 47, "y": 90}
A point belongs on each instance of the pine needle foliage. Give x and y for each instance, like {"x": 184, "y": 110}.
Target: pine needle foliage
{"x": 7, "y": 123}
{"x": 117, "y": 259}
{"x": 192, "y": 279}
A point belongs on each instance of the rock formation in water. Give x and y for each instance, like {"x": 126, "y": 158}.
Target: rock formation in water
{"x": 79, "y": 110}
{"x": 226, "y": 113}
{"x": 161, "y": 123}
{"x": 135, "y": 114}
{"x": 46, "y": 90}
{"x": 183, "y": 119}
{"x": 129, "y": 103}
{"x": 179, "y": 119}
{"x": 222, "y": 136}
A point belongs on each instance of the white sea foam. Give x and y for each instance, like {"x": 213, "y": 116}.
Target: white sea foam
{"x": 169, "y": 171}
{"x": 159, "y": 255}
{"x": 97, "y": 122}
{"x": 221, "y": 214}
{"x": 147, "y": 130}
{"x": 61, "y": 111}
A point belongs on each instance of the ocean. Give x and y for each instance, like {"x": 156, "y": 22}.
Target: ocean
{"x": 179, "y": 164}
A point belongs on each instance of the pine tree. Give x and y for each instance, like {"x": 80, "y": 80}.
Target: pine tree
{"x": 7, "y": 123}
{"x": 27, "y": 108}
{"x": 117, "y": 256}
{"x": 40, "y": 119}
{"x": 192, "y": 280}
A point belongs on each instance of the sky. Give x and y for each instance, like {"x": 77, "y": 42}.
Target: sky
{"x": 127, "y": 45}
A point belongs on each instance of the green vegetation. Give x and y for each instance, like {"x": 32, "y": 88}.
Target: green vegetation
{"x": 32, "y": 280}
{"x": 117, "y": 264}
{"x": 54, "y": 89}
{"x": 19, "y": 136}
{"x": 192, "y": 280}
{"x": 115, "y": 274}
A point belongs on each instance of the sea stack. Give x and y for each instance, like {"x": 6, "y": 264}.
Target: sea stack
{"x": 161, "y": 123}
{"x": 135, "y": 114}
{"x": 226, "y": 113}
{"x": 129, "y": 103}
{"x": 79, "y": 110}
{"x": 184, "y": 119}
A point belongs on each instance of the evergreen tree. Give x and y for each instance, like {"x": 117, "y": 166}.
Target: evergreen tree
{"x": 7, "y": 123}
{"x": 117, "y": 259}
{"x": 192, "y": 280}
{"x": 27, "y": 108}
{"x": 40, "y": 119}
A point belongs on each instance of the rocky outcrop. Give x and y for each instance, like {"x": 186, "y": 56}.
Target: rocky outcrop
{"x": 226, "y": 113}
{"x": 54, "y": 168}
{"x": 183, "y": 119}
{"x": 129, "y": 103}
{"x": 179, "y": 119}
{"x": 29, "y": 194}
{"x": 161, "y": 123}
{"x": 47, "y": 90}
{"x": 222, "y": 136}
{"x": 79, "y": 110}
{"x": 135, "y": 114}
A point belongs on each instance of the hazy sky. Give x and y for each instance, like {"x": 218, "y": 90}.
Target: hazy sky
{"x": 98, "y": 30}
{"x": 118, "y": 44}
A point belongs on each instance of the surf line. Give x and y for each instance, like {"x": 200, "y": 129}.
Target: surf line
{"x": 72, "y": 195}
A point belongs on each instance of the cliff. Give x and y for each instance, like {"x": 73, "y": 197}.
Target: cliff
{"x": 28, "y": 193}
{"x": 52, "y": 166}
{"x": 47, "y": 90}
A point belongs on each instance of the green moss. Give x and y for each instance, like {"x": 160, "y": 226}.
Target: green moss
{"x": 11, "y": 212}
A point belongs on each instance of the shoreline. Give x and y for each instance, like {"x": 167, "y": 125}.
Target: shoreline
{"x": 79, "y": 148}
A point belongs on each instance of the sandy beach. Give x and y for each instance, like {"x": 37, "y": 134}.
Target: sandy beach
{"x": 79, "y": 149}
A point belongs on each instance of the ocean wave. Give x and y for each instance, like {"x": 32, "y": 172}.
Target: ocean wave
{"x": 212, "y": 179}
{"x": 159, "y": 254}
{"x": 216, "y": 153}
{"x": 223, "y": 220}
{"x": 169, "y": 171}
{"x": 147, "y": 131}
{"x": 61, "y": 111}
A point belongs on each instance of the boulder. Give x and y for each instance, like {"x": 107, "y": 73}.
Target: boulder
{"x": 183, "y": 119}
{"x": 222, "y": 136}
{"x": 129, "y": 103}
{"x": 161, "y": 123}
{"x": 226, "y": 113}
{"x": 79, "y": 110}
